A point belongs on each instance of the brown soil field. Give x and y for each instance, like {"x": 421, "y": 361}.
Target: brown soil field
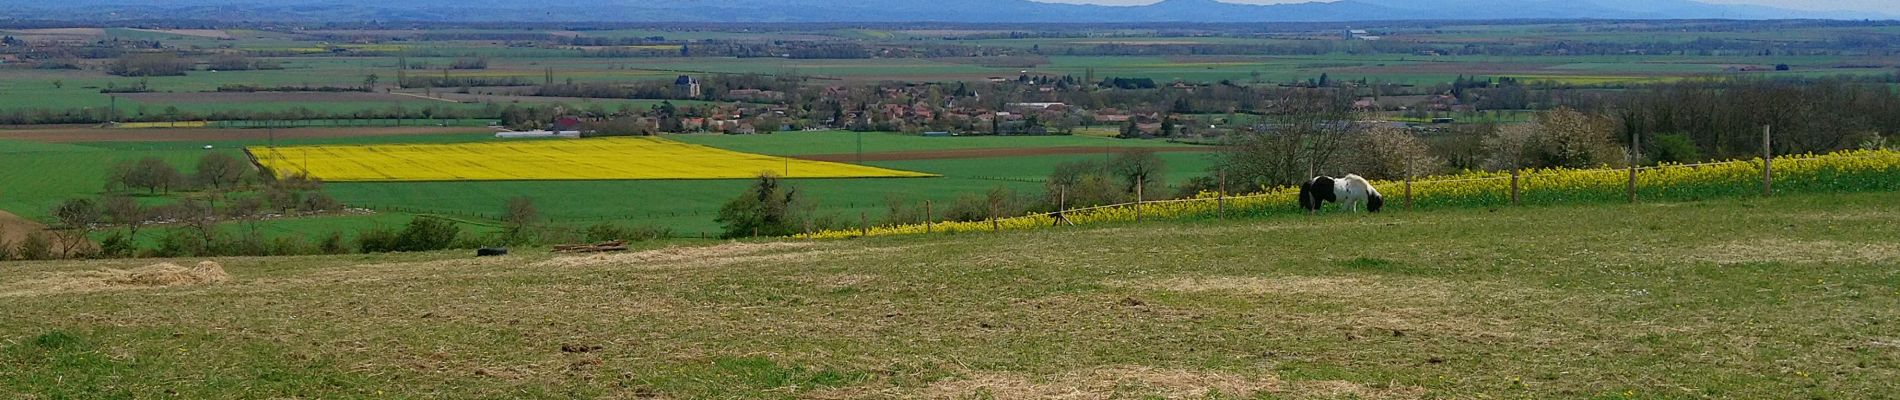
{"x": 91, "y": 134}
{"x": 263, "y": 97}
{"x": 985, "y": 153}
{"x": 13, "y": 228}
{"x": 207, "y": 33}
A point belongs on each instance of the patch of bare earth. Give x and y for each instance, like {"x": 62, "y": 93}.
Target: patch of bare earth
{"x": 723, "y": 254}
{"x": 1798, "y": 252}
{"x": 13, "y": 228}
{"x": 1129, "y": 381}
{"x": 1415, "y": 305}
{"x": 1102, "y": 383}
{"x": 1334, "y": 287}
{"x": 204, "y": 33}
{"x": 150, "y": 276}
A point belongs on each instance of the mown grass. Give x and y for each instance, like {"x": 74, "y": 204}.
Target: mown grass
{"x": 1753, "y": 298}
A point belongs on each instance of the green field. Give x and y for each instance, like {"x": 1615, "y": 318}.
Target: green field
{"x": 687, "y": 207}
{"x": 1459, "y": 303}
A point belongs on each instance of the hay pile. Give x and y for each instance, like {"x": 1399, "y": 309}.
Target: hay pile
{"x": 168, "y": 274}
{"x": 150, "y": 276}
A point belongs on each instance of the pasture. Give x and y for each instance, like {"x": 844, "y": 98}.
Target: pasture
{"x": 1452, "y": 303}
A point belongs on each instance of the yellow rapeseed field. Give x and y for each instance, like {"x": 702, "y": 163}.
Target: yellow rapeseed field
{"x": 579, "y": 159}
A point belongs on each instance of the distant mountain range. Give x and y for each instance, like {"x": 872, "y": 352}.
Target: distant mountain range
{"x": 985, "y": 11}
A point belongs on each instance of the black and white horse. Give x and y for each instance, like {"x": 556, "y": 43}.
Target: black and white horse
{"x": 1349, "y": 192}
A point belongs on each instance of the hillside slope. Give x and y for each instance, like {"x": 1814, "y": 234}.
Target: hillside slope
{"x": 1786, "y": 297}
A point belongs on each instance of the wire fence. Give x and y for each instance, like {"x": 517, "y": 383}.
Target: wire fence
{"x": 1521, "y": 181}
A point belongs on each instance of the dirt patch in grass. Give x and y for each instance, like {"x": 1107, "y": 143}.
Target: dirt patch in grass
{"x": 1368, "y": 306}
{"x": 1351, "y": 390}
{"x": 680, "y": 255}
{"x": 1798, "y": 252}
{"x": 1102, "y": 383}
{"x": 1331, "y": 287}
{"x": 13, "y": 228}
{"x": 262, "y": 97}
{"x": 150, "y": 276}
{"x": 987, "y": 153}
{"x": 95, "y": 134}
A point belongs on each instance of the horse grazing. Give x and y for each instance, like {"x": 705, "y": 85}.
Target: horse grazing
{"x": 1349, "y": 192}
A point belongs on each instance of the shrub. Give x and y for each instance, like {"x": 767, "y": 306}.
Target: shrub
{"x": 180, "y": 243}
{"x": 117, "y": 244}
{"x": 36, "y": 246}
{"x": 378, "y": 240}
{"x": 605, "y": 232}
{"x": 332, "y": 244}
{"x": 288, "y": 246}
{"x": 1673, "y": 149}
{"x": 422, "y": 234}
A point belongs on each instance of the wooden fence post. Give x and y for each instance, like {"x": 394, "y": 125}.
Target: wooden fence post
{"x": 1636, "y": 155}
{"x": 995, "y": 225}
{"x": 864, "y": 225}
{"x": 1767, "y": 161}
{"x": 1514, "y": 198}
{"x": 928, "y": 222}
{"x": 1408, "y": 184}
{"x": 1062, "y": 207}
{"x": 1139, "y": 182}
{"x": 1221, "y": 199}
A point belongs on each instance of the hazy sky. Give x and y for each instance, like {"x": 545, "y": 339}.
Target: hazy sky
{"x": 1885, "y": 6}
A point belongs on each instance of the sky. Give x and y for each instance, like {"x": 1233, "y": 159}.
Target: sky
{"x": 1883, "y": 6}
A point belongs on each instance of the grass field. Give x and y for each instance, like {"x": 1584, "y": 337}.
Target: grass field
{"x": 1784, "y": 297}
{"x": 78, "y": 170}
{"x": 630, "y": 158}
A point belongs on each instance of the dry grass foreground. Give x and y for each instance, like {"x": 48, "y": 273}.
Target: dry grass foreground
{"x": 1643, "y": 301}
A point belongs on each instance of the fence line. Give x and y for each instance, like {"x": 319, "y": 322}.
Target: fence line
{"x": 1524, "y": 176}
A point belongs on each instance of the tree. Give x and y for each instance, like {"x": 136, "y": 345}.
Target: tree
{"x": 149, "y": 64}
{"x": 369, "y": 81}
{"x": 764, "y": 209}
{"x": 1140, "y": 167}
{"x": 76, "y": 217}
{"x": 1386, "y": 152}
{"x": 1082, "y": 183}
{"x": 220, "y": 170}
{"x": 230, "y": 62}
{"x": 1559, "y": 138}
{"x": 1309, "y": 127}
{"x": 150, "y": 173}
{"x": 125, "y": 211}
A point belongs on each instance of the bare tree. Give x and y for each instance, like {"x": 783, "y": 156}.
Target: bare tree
{"x": 125, "y": 211}
{"x": 1140, "y": 166}
{"x": 221, "y": 171}
{"x": 521, "y": 212}
{"x": 76, "y": 217}
{"x": 1308, "y": 129}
